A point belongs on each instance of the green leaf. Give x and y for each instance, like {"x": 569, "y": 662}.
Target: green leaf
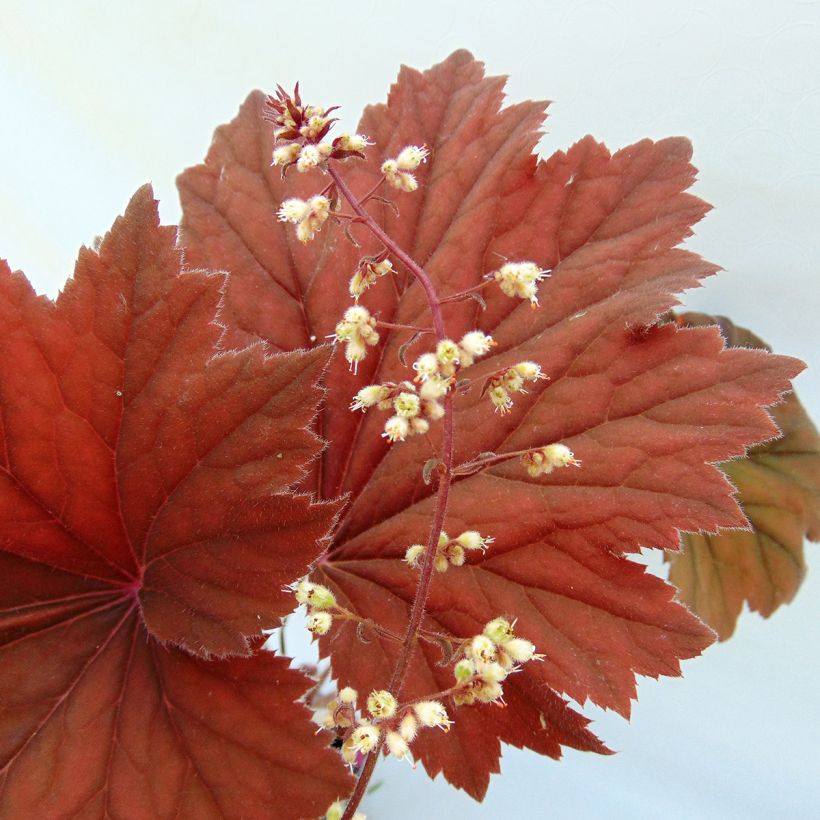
{"x": 778, "y": 487}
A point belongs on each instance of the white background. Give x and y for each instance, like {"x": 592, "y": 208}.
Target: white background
{"x": 98, "y": 98}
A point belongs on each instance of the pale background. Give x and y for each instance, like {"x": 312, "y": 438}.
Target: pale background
{"x": 98, "y": 98}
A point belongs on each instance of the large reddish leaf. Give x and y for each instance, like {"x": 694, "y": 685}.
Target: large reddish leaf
{"x": 646, "y": 408}
{"x": 779, "y": 489}
{"x": 144, "y": 511}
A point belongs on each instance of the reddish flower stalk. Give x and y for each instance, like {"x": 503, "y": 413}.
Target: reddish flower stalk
{"x": 423, "y": 588}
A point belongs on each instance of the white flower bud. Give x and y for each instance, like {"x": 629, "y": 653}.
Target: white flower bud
{"x": 440, "y": 563}
{"x": 433, "y": 410}
{"x": 493, "y": 672}
{"x": 520, "y": 650}
{"x": 397, "y": 745}
{"x": 319, "y": 622}
{"x": 413, "y": 554}
{"x": 348, "y": 695}
{"x": 434, "y": 388}
{"x": 409, "y": 727}
{"x": 464, "y": 670}
{"x": 418, "y": 427}
{"x": 314, "y": 595}
{"x": 488, "y": 692}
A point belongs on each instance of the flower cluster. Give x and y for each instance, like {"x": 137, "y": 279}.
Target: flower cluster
{"x": 369, "y": 270}
{"x": 386, "y": 724}
{"x": 398, "y": 171}
{"x": 412, "y": 411}
{"x": 436, "y": 370}
{"x": 511, "y": 380}
{"x": 544, "y": 460}
{"x": 520, "y": 279}
{"x": 449, "y": 550}
{"x": 300, "y": 132}
{"x": 358, "y": 330}
{"x": 318, "y": 600}
{"x": 308, "y": 215}
{"x": 488, "y": 659}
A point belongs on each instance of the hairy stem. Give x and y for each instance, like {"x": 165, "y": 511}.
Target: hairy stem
{"x": 425, "y": 577}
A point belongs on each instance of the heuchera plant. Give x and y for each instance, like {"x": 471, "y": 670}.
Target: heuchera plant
{"x": 413, "y": 378}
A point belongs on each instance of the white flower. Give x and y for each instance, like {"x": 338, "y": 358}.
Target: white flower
{"x": 293, "y": 210}
{"x": 426, "y": 366}
{"x": 413, "y": 554}
{"x": 482, "y": 649}
{"x": 529, "y": 371}
{"x": 285, "y": 154}
{"x": 559, "y": 455}
{"x": 520, "y": 279}
{"x": 407, "y": 405}
{"x": 363, "y": 738}
{"x": 358, "y": 329}
{"x": 475, "y": 343}
{"x": 473, "y": 540}
{"x": 500, "y": 398}
{"x": 307, "y": 216}
{"x": 353, "y": 142}
{"x": 499, "y": 630}
{"x": 432, "y": 713}
{"x": 396, "y": 428}
{"x": 545, "y": 460}
{"x": 309, "y": 157}
{"x": 447, "y": 352}
{"x": 381, "y": 704}
{"x": 411, "y": 157}
{"x": 369, "y": 396}
{"x": 521, "y": 650}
